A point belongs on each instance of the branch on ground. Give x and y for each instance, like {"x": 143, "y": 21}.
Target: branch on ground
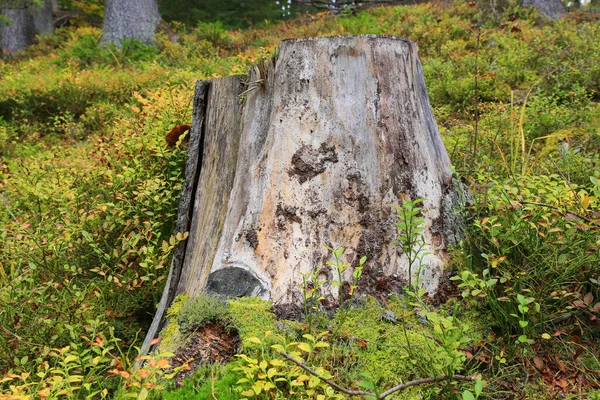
{"x": 397, "y": 388}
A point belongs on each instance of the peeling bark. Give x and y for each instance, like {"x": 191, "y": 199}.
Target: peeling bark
{"x": 186, "y": 203}
{"x": 316, "y": 147}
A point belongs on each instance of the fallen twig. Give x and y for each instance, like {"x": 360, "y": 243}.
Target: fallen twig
{"x": 383, "y": 395}
{"x": 586, "y": 219}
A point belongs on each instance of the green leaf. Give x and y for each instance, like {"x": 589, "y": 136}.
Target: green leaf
{"x": 522, "y": 339}
{"x": 478, "y": 387}
{"x": 523, "y": 323}
{"x": 467, "y": 395}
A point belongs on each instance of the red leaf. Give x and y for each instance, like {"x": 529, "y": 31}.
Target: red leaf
{"x": 562, "y": 383}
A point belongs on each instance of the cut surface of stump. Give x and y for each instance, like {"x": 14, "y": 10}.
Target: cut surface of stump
{"x": 315, "y": 147}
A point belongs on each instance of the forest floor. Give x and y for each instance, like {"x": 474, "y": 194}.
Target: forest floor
{"x": 89, "y": 193}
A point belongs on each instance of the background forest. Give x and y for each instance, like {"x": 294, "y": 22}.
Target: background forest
{"x": 89, "y": 193}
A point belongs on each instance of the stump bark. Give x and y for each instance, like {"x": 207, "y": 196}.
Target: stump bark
{"x": 314, "y": 147}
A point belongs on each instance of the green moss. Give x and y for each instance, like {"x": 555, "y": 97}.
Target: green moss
{"x": 252, "y": 317}
{"x": 386, "y": 353}
{"x": 398, "y": 351}
{"x": 172, "y": 338}
{"x": 202, "y": 310}
{"x": 477, "y": 321}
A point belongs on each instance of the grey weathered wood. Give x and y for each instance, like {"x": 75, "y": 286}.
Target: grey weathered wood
{"x": 15, "y": 4}
{"x": 130, "y": 19}
{"x": 186, "y": 206}
{"x": 553, "y": 9}
{"x": 219, "y": 160}
{"x": 340, "y": 133}
{"x": 20, "y": 33}
{"x": 322, "y": 143}
{"x": 42, "y": 18}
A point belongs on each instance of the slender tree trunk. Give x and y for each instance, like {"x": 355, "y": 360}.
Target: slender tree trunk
{"x": 42, "y": 17}
{"x": 130, "y": 19}
{"x": 315, "y": 147}
{"x": 553, "y": 9}
{"x": 20, "y": 32}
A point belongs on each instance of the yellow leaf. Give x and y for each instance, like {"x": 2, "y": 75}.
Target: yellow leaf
{"x": 143, "y": 394}
{"x": 304, "y": 347}
{"x": 70, "y": 358}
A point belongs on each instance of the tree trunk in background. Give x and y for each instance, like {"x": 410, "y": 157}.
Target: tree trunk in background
{"x": 553, "y": 9}
{"x": 130, "y": 19}
{"x": 314, "y": 147}
{"x": 20, "y": 33}
{"x": 42, "y": 17}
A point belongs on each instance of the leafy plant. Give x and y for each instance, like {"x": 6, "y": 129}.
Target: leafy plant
{"x": 411, "y": 240}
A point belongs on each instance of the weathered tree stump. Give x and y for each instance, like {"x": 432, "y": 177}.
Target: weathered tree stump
{"x": 314, "y": 147}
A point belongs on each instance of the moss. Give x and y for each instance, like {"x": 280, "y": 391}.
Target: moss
{"x": 202, "y": 310}
{"x": 476, "y": 321}
{"x": 172, "y": 338}
{"x": 252, "y": 317}
{"x": 384, "y": 351}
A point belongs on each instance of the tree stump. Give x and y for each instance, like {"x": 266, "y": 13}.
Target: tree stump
{"x": 315, "y": 147}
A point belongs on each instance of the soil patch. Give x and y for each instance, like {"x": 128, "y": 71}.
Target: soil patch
{"x": 209, "y": 344}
